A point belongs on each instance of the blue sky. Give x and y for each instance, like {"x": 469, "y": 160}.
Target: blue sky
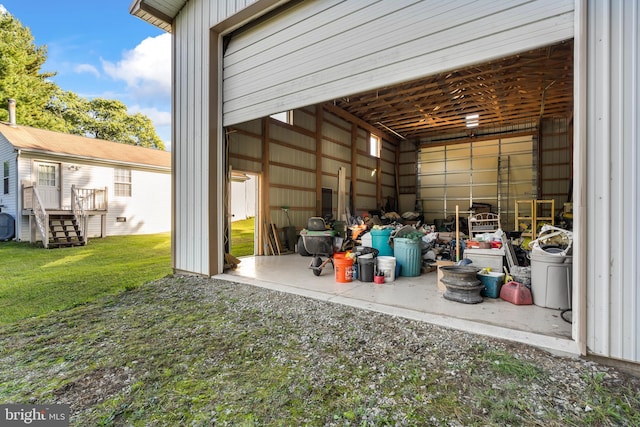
{"x": 99, "y": 50}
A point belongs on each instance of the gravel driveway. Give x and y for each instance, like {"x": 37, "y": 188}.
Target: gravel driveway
{"x": 194, "y": 351}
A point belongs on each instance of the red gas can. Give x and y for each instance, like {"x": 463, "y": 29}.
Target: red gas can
{"x": 516, "y": 293}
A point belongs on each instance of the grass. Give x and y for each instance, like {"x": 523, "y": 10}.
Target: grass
{"x": 182, "y": 352}
{"x": 242, "y": 237}
{"x": 125, "y": 349}
{"x": 35, "y": 281}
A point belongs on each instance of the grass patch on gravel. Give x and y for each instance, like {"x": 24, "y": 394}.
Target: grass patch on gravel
{"x": 200, "y": 352}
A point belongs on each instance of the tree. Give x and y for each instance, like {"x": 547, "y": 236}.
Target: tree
{"x": 42, "y": 104}
{"x": 104, "y": 119}
{"x": 20, "y": 76}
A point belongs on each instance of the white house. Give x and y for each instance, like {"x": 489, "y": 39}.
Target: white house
{"x": 62, "y": 189}
{"x": 418, "y": 77}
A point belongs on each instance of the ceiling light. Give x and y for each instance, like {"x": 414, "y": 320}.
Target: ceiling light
{"x": 473, "y": 120}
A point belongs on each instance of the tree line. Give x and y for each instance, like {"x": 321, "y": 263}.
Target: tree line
{"x": 42, "y": 104}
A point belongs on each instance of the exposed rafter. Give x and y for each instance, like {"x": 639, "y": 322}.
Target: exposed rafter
{"x": 504, "y": 93}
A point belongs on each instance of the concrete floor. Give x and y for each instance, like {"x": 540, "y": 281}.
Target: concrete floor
{"x": 416, "y": 298}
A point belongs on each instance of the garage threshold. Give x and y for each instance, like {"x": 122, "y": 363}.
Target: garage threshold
{"x": 416, "y": 298}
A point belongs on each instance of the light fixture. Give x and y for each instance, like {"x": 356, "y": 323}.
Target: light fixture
{"x": 473, "y": 120}
{"x": 373, "y": 172}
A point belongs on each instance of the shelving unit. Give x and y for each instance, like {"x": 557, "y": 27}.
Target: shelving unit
{"x": 544, "y": 212}
{"x": 532, "y": 213}
{"x": 483, "y": 223}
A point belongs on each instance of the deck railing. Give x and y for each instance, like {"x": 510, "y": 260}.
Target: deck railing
{"x": 92, "y": 199}
{"x": 31, "y": 200}
{"x": 79, "y": 213}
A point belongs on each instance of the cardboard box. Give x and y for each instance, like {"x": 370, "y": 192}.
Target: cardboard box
{"x": 442, "y": 263}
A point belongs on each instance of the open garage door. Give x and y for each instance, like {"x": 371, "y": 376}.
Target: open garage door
{"x": 315, "y": 51}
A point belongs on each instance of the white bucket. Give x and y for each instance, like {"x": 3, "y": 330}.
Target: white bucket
{"x": 388, "y": 265}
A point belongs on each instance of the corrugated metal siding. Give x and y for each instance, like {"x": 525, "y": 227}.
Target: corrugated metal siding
{"x": 320, "y": 50}
{"x": 497, "y": 172}
{"x": 292, "y": 175}
{"x": 191, "y": 250}
{"x": 613, "y": 184}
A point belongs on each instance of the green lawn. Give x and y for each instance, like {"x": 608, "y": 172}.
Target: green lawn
{"x": 242, "y": 237}
{"x": 36, "y": 281}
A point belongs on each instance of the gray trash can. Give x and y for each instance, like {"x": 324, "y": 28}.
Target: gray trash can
{"x": 551, "y": 279}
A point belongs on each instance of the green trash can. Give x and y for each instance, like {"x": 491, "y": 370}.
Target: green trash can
{"x": 407, "y": 253}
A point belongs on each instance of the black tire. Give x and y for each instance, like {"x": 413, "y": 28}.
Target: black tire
{"x": 315, "y": 265}
{"x": 301, "y": 250}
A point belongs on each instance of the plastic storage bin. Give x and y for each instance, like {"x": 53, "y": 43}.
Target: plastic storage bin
{"x": 485, "y": 258}
{"x": 492, "y": 284}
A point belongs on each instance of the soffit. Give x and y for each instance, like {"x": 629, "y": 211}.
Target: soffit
{"x": 157, "y": 12}
{"x": 506, "y": 93}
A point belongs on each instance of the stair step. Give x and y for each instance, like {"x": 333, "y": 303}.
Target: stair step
{"x": 64, "y": 231}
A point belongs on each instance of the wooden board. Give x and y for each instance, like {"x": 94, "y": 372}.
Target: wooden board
{"x": 276, "y": 239}
{"x": 268, "y": 240}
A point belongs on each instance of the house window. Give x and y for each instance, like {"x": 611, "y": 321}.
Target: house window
{"x": 284, "y": 117}
{"x": 6, "y": 178}
{"x": 47, "y": 175}
{"x": 374, "y": 146}
{"x": 122, "y": 182}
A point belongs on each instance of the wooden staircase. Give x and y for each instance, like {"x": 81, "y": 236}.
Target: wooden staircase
{"x": 64, "y": 230}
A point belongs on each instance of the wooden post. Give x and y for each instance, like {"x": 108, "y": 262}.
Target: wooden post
{"x": 457, "y": 235}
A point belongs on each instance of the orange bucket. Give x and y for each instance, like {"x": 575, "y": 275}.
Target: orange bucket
{"x": 343, "y": 267}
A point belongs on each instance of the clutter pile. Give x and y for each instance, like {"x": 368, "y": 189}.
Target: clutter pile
{"x": 382, "y": 246}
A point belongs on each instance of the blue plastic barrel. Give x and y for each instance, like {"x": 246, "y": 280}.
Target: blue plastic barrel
{"x": 380, "y": 241}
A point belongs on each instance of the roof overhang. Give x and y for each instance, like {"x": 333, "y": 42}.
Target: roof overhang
{"x": 159, "y": 13}
{"x": 67, "y": 158}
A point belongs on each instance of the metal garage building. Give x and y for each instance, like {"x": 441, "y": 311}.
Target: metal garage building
{"x": 237, "y": 62}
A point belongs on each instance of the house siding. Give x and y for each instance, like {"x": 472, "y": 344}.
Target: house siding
{"x": 8, "y": 154}
{"x": 147, "y": 211}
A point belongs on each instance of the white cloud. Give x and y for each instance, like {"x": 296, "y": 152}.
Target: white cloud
{"x": 146, "y": 69}
{"x": 86, "y": 68}
{"x": 159, "y": 118}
